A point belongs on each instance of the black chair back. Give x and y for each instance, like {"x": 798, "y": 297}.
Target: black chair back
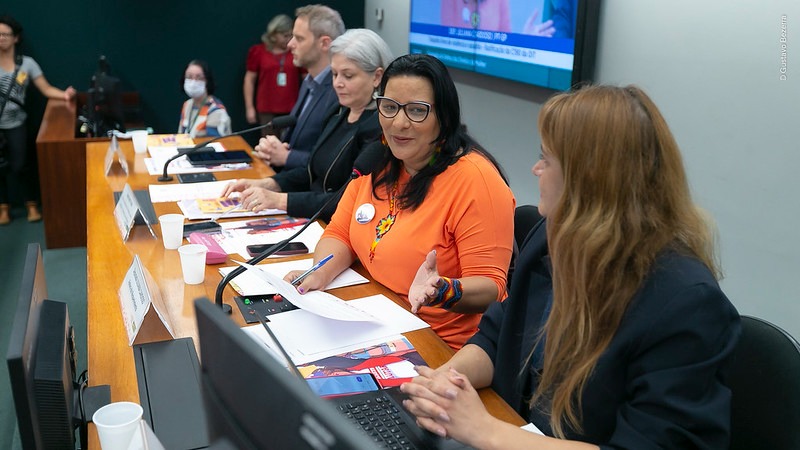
{"x": 525, "y": 217}
{"x": 765, "y": 381}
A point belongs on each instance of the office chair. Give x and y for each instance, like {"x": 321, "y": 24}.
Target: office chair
{"x": 525, "y": 217}
{"x": 765, "y": 382}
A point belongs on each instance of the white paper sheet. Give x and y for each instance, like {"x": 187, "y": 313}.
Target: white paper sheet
{"x": 308, "y": 337}
{"x": 250, "y": 284}
{"x": 160, "y": 193}
{"x": 317, "y": 302}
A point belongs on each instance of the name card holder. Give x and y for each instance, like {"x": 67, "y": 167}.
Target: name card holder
{"x": 114, "y": 153}
{"x": 125, "y": 213}
{"x": 142, "y": 305}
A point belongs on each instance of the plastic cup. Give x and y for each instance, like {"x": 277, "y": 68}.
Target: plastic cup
{"x": 116, "y": 424}
{"x": 193, "y": 263}
{"x": 139, "y": 138}
{"x": 171, "y": 230}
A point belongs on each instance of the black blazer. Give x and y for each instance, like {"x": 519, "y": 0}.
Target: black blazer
{"x": 330, "y": 164}
{"x": 304, "y": 134}
{"x": 660, "y": 384}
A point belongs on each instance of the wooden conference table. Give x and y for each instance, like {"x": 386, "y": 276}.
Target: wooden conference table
{"x": 110, "y": 358}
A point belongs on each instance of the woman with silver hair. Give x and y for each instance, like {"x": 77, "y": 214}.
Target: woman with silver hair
{"x": 358, "y": 60}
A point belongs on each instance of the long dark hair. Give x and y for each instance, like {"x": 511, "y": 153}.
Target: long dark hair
{"x": 453, "y": 141}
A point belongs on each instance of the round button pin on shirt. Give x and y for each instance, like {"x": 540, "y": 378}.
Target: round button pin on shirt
{"x": 365, "y": 213}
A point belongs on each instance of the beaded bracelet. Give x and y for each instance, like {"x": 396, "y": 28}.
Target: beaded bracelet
{"x": 449, "y": 293}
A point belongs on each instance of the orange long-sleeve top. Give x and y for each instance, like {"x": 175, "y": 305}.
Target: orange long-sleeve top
{"x": 467, "y": 217}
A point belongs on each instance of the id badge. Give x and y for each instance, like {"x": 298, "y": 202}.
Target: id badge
{"x": 281, "y": 79}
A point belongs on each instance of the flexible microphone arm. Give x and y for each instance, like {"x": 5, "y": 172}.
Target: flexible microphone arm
{"x": 276, "y": 124}
{"x": 276, "y": 247}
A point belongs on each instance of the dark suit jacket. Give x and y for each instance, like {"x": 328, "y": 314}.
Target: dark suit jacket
{"x": 660, "y": 384}
{"x": 304, "y": 134}
{"x": 330, "y": 164}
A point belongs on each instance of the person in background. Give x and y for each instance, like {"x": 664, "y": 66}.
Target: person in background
{"x": 359, "y": 58}
{"x": 16, "y": 73}
{"x": 439, "y": 199}
{"x": 203, "y": 114}
{"x": 315, "y": 28}
{"x": 615, "y": 333}
{"x": 271, "y": 78}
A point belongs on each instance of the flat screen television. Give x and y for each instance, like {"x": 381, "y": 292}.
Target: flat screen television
{"x": 547, "y": 43}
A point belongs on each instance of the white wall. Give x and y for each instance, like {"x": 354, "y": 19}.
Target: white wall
{"x": 713, "y": 69}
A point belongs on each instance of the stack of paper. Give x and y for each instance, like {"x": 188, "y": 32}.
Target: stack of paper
{"x": 308, "y": 337}
{"x": 326, "y": 325}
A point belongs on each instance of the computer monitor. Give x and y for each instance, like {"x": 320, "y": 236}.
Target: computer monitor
{"x": 41, "y": 360}
{"x": 39, "y": 363}
{"x": 253, "y": 402}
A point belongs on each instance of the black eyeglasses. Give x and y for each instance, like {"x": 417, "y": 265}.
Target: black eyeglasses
{"x": 415, "y": 111}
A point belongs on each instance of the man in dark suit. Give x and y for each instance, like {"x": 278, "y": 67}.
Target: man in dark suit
{"x": 315, "y": 27}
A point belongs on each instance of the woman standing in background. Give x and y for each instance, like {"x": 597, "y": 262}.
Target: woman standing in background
{"x": 16, "y": 72}
{"x": 271, "y": 77}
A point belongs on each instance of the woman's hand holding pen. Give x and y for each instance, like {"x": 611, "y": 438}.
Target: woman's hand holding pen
{"x": 425, "y": 286}
{"x": 316, "y": 281}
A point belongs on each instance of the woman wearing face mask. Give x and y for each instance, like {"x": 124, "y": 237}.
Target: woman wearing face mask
{"x": 203, "y": 114}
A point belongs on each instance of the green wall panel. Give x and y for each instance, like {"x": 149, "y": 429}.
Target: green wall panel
{"x": 148, "y": 44}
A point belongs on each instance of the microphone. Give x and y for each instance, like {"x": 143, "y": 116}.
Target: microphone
{"x": 368, "y": 161}
{"x": 277, "y": 123}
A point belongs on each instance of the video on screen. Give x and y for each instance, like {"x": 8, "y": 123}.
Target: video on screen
{"x": 531, "y": 41}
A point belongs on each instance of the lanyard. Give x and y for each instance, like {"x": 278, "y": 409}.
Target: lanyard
{"x": 193, "y": 120}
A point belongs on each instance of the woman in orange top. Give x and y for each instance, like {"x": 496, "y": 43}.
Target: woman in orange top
{"x": 440, "y": 200}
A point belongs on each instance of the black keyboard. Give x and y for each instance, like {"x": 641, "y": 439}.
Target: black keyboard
{"x": 380, "y": 419}
{"x": 380, "y": 414}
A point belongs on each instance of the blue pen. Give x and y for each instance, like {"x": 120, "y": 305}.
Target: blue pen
{"x": 313, "y": 269}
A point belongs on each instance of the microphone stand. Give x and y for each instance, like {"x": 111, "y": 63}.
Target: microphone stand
{"x": 275, "y": 247}
{"x": 166, "y": 177}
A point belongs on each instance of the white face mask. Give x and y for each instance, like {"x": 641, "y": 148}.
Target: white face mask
{"x": 194, "y": 88}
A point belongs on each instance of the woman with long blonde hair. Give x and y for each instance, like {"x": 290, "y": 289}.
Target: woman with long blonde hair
{"x": 615, "y": 332}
